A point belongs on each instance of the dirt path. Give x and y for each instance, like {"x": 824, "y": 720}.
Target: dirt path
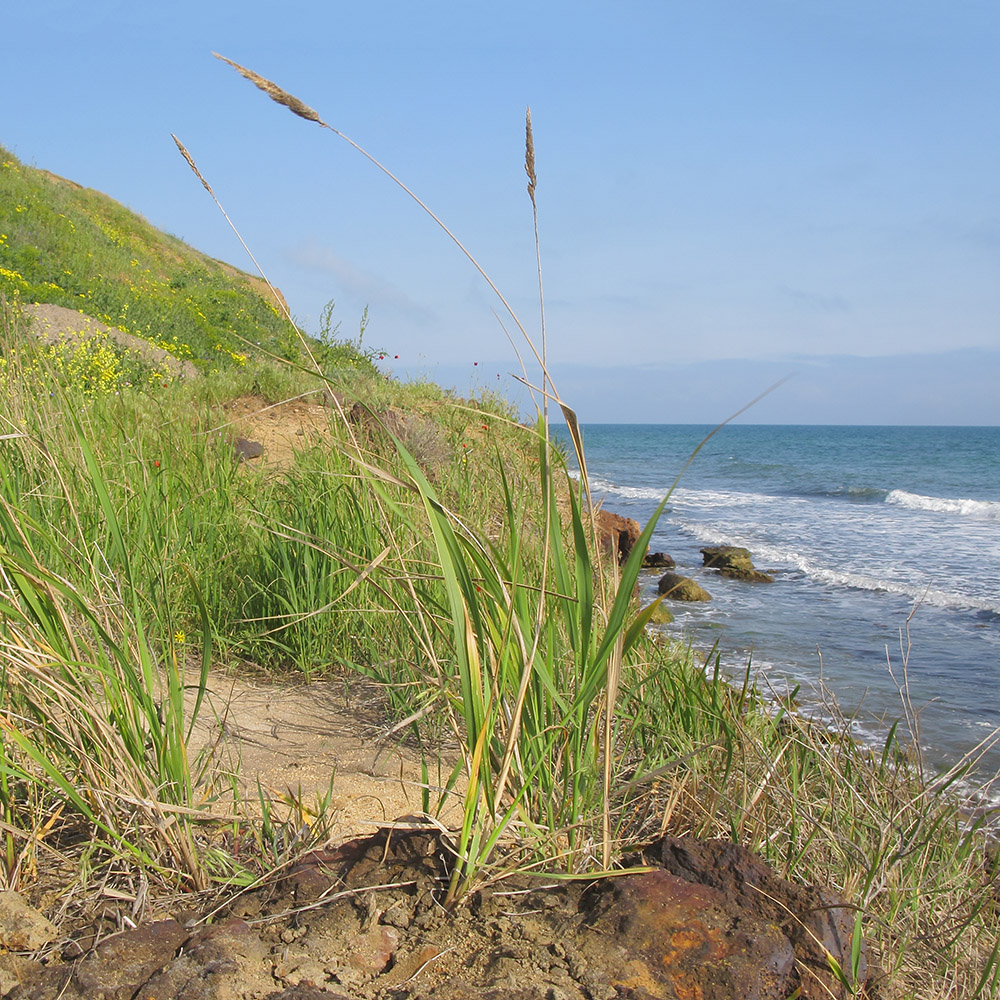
{"x": 305, "y": 741}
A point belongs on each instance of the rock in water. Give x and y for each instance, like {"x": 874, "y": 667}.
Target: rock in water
{"x": 682, "y": 588}
{"x": 657, "y": 560}
{"x": 734, "y": 562}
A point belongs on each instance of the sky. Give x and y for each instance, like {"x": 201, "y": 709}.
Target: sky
{"x": 730, "y": 192}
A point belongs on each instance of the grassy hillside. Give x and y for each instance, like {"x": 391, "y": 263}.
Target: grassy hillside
{"x": 431, "y": 544}
{"x": 71, "y": 246}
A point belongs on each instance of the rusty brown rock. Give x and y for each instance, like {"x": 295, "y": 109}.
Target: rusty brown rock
{"x": 617, "y": 534}
{"x": 681, "y": 939}
{"x": 816, "y": 921}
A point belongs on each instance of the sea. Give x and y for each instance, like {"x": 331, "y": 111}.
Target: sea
{"x": 884, "y": 543}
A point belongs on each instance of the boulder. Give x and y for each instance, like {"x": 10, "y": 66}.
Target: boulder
{"x": 816, "y": 923}
{"x": 747, "y": 575}
{"x": 734, "y": 562}
{"x": 681, "y": 588}
{"x": 661, "y": 615}
{"x": 617, "y": 534}
{"x": 657, "y": 560}
{"x": 246, "y": 449}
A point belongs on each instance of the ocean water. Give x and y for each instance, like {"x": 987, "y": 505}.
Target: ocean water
{"x": 885, "y": 547}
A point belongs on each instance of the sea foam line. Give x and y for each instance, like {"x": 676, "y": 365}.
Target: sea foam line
{"x": 987, "y": 509}
{"x": 771, "y": 555}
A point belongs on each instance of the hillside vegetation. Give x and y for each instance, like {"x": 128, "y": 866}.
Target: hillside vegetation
{"x": 71, "y": 246}
{"x": 431, "y": 544}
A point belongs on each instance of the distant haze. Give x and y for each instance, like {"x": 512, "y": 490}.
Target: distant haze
{"x": 960, "y": 388}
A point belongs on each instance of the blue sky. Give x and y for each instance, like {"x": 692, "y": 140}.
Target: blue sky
{"x": 729, "y": 192}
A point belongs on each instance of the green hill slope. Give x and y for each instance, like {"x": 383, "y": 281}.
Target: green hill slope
{"x": 71, "y": 246}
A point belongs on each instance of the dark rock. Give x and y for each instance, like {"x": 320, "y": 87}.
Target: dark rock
{"x": 747, "y": 575}
{"x": 658, "y": 560}
{"x": 213, "y": 958}
{"x": 617, "y": 534}
{"x": 681, "y": 588}
{"x": 728, "y": 556}
{"x": 246, "y": 449}
{"x": 120, "y": 964}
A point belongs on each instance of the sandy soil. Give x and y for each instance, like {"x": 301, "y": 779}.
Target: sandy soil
{"x": 52, "y": 323}
{"x": 329, "y": 737}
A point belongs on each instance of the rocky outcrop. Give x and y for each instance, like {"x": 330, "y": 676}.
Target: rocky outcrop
{"x": 617, "y": 534}
{"x": 708, "y": 920}
{"x": 734, "y": 562}
{"x": 681, "y": 588}
{"x": 744, "y": 930}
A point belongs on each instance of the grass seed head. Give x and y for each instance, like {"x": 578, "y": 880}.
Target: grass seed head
{"x": 190, "y": 161}
{"x": 529, "y": 155}
{"x": 275, "y": 92}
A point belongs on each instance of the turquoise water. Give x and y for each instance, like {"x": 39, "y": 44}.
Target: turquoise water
{"x": 885, "y": 546}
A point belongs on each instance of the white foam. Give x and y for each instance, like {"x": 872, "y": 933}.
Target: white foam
{"x": 773, "y": 556}
{"x": 985, "y": 509}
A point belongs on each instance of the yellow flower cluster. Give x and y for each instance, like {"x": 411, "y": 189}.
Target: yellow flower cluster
{"x": 240, "y": 359}
{"x": 90, "y": 364}
{"x": 173, "y": 346}
{"x": 13, "y": 277}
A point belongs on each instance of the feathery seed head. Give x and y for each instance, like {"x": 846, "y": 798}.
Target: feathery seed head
{"x": 529, "y": 155}
{"x": 190, "y": 160}
{"x": 275, "y": 92}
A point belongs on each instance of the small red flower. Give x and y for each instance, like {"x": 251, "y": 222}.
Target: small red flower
{"x": 156, "y": 464}
{"x": 475, "y": 363}
{"x": 397, "y": 357}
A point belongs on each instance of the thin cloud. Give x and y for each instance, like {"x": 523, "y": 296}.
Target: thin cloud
{"x": 367, "y": 287}
{"x": 815, "y": 301}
